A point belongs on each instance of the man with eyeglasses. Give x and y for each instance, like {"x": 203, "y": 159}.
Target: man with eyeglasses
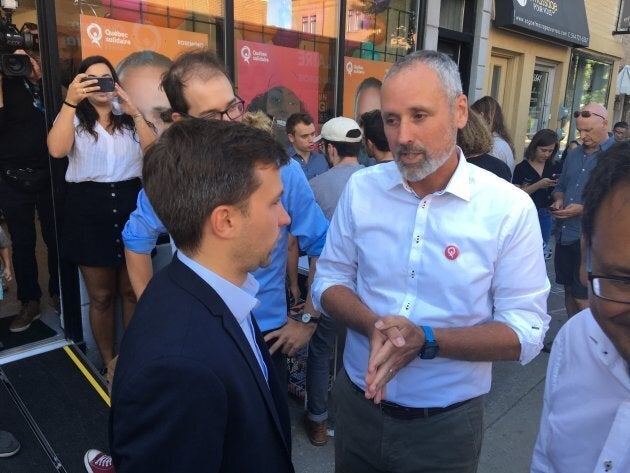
{"x": 585, "y": 423}
{"x": 197, "y": 86}
{"x": 592, "y": 124}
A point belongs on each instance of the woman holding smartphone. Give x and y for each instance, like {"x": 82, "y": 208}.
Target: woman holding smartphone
{"x": 535, "y": 176}
{"x": 104, "y": 168}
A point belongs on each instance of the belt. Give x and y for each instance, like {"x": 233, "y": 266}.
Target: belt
{"x": 397, "y": 411}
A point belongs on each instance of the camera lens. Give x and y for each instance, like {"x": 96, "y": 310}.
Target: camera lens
{"x": 15, "y": 65}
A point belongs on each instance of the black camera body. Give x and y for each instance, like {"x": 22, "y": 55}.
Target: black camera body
{"x": 15, "y": 65}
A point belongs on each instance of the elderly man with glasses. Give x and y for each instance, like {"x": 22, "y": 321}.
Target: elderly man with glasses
{"x": 585, "y": 423}
{"x": 592, "y": 124}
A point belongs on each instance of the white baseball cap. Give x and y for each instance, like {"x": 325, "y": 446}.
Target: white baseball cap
{"x": 340, "y": 129}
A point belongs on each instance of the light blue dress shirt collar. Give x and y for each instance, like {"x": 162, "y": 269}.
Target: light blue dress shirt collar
{"x": 240, "y": 301}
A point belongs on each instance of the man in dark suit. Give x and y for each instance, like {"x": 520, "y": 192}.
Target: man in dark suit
{"x": 195, "y": 388}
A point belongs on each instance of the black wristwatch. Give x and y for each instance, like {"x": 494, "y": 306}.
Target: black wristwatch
{"x": 430, "y": 348}
{"x": 305, "y": 318}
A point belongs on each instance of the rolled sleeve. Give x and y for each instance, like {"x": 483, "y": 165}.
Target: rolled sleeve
{"x": 308, "y": 222}
{"x": 337, "y": 265}
{"x": 520, "y": 284}
{"x": 143, "y": 227}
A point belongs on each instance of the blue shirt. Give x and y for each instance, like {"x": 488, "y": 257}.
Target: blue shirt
{"x": 307, "y": 223}
{"x": 315, "y": 166}
{"x": 575, "y": 173}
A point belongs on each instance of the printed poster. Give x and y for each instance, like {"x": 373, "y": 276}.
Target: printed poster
{"x": 278, "y": 80}
{"x": 117, "y": 39}
{"x": 366, "y": 75}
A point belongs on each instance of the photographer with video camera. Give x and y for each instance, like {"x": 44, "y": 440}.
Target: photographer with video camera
{"x": 25, "y": 174}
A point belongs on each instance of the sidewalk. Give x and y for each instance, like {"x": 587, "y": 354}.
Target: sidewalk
{"x": 512, "y": 410}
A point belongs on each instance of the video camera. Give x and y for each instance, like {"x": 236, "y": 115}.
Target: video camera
{"x": 15, "y": 65}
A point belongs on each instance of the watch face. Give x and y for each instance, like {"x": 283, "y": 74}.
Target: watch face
{"x": 306, "y": 317}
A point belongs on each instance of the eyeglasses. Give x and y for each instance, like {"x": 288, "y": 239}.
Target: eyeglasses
{"x": 610, "y": 288}
{"x": 234, "y": 111}
{"x": 587, "y": 114}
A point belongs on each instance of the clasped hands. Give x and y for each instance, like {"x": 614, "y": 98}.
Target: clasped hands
{"x": 394, "y": 342}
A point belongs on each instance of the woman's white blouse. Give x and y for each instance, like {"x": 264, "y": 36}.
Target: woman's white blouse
{"x": 111, "y": 158}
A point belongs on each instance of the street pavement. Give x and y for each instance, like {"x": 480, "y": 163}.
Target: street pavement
{"x": 512, "y": 410}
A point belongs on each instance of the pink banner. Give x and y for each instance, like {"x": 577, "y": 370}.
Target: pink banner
{"x": 278, "y": 80}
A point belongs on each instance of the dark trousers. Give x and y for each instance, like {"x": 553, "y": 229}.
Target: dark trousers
{"x": 370, "y": 441}
{"x": 19, "y": 211}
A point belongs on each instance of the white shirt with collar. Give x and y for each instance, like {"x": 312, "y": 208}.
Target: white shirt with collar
{"x": 585, "y": 423}
{"x": 240, "y": 301}
{"x": 465, "y": 256}
{"x": 112, "y": 158}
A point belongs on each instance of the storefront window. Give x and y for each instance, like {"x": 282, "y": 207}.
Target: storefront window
{"x": 377, "y": 34}
{"x": 588, "y": 82}
{"x": 285, "y": 58}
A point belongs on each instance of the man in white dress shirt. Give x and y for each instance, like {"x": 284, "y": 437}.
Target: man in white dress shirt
{"x": 585, "y": 424}
{"x": 434, "y": 266}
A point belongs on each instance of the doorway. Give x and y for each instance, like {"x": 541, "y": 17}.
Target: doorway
{"x": 540, "y": 99}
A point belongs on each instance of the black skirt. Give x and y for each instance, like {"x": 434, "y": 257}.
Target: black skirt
{"x": 95, "y": 215}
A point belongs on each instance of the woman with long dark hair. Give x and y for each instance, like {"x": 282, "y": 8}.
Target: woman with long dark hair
{"x": 104, "y": 152}
{"x": 502, "y": 147}
{"x": 535, "y": 176}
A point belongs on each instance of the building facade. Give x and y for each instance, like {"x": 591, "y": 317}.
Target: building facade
{"x": 541, "y": 59}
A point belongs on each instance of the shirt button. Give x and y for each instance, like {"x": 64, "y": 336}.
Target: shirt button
{"x": 113, "y": 194}
{"x": 119, "y": 255}
{"x": 115, "y": 225}
{"x": 112, "y": 185}
{"x": 115, "y": 211}
{"x": 117, "y": 240}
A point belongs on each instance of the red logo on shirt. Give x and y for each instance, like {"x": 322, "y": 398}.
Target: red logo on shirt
{"x": 451, "y": 252}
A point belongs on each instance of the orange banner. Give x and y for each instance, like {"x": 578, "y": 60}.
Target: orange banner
{"x": 364, "y": 74}
{"x": 117, "y": 39}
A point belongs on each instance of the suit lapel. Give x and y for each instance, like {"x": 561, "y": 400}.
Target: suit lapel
{"x": 191, "y": 282}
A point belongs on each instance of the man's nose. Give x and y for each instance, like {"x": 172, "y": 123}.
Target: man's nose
{"x": 284, "y": 218}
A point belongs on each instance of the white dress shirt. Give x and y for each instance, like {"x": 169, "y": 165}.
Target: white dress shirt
{"x": 240, "y": 301}
{"x": 111, "y": 158}
{"x": 443, "y": 260}
{"x": 585, "y": 423}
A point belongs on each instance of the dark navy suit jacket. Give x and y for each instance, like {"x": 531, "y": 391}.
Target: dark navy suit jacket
{"x": 188, "y": 392}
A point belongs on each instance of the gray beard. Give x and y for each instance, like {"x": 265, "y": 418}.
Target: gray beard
{"x": 418, "y": 171}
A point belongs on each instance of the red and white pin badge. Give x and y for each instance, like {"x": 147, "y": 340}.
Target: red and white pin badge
{"x": 451, "y": 252}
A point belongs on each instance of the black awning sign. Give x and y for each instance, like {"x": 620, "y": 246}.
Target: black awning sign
{"x": 561, "y": 21}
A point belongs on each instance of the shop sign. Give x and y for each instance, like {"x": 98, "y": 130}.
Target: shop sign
{"x": 561, "y": 21}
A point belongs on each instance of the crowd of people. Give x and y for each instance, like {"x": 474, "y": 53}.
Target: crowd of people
{"x": 426, "y": 276}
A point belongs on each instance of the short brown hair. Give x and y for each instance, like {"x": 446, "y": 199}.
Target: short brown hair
{"x": 197, "y": 165}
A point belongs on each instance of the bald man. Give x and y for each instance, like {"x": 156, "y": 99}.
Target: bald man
{"x": 592, "y": 124}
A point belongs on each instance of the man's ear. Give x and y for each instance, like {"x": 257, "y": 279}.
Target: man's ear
{"x": 224, "y": 221}
{"x": 176, "y": 116}
{"x": 291, "y": 137}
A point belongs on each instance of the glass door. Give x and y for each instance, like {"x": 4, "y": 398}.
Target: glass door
{"x": 540, "y": 100}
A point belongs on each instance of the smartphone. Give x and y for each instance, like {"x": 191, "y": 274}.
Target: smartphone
{"x": 555, "y": 176}
{"x": 105, "y": 83}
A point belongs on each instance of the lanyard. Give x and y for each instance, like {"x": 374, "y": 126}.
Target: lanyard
{"x": 35, "y": 91}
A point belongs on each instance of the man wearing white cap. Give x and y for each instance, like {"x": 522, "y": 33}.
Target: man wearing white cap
{"x": 341, "y": 142}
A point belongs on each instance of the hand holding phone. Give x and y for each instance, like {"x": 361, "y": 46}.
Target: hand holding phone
{"x": 105, "y": 83}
